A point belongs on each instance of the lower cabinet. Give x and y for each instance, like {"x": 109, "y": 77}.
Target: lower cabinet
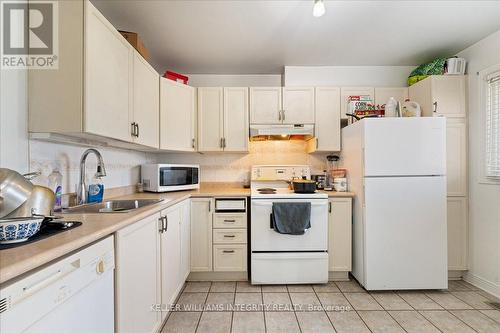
{"x": 152, "y": 264}
{"x": 457, "y": 233}
{"x": 340, "y": 234}
{"x": 170, "y": 257}
{"x": 138, "y": 276}
{"x": 201, "y": 234}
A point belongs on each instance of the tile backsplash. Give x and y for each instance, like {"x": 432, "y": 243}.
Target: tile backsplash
{"x": 123, "y": 166}
{"x": 235, "y": 167}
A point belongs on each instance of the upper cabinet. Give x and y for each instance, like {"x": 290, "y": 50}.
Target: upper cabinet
{"x": 298, "y": 105}
{"x": 177, "y": 116}
{"x": 104, "y": 90}
{"x": 441, "y": 95}
{"x": 107, "y": 73}
{"x": 327, "y": 123}
{"x": 223, "y": 119}
{"x": 146, "y": 103}
{"x": 265, "y": 105}
{"x": 277, "y": 105}
{"x": 345, "y": 92}
{"x": 236, "y": 119}
{"x": 383, "y": 94}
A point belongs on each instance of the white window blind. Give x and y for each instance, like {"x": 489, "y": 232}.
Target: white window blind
{"x": 493, "y": 125}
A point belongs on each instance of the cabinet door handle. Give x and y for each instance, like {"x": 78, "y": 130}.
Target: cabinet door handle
{"x": 229, "y": 236}
{"x": 132, "y": 129}
{"x": 283, "y": 115}
{"x": 228, "y": 251}
{"x": 210, "y": 206}
{"x": 160, "y": 224}
{"x": 224, "y": 142}
{"x": 220, "y": 143}
{"x": 230, "y": 221}
{"x": 317, "y": 143}
{"x": 166, "y": 223}
{"x": 435, "y": 107}
{"x": 329, "y": 207}
{"x": 193, "y": 143}
{"x": 137, "y": 131}
{"x": 279, "y": 115}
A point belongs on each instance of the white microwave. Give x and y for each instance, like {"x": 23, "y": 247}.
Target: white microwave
{"x": 170, "y": 177}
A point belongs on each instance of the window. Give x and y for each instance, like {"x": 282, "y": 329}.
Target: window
{"x": 493, "y": 125}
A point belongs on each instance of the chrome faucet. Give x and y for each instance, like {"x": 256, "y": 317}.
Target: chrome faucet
{"x": 81, "y": 195}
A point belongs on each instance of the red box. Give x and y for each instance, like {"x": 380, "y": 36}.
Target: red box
{"x": 176, "y": 77}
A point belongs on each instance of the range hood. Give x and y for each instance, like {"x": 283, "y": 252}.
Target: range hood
{"x": 281, "y": 132}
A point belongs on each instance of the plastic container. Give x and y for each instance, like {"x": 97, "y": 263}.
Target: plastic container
{"x": 55, "y": 184}
{"x": 95, "y": 190}
{"x": 176, "y": 77}
{"x": 391, "y": 108}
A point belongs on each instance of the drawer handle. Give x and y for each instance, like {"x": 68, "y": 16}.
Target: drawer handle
{"x": 230, "y": 221}
{"x": 229, "y": 236}
{"x": 228, "y": 251}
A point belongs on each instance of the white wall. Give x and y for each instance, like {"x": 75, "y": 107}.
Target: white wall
{"x": 213, "y": 80}
{"x": 13, "y": 120}
{"x": 484, "y": 208}
{"x": 376, "y": 76}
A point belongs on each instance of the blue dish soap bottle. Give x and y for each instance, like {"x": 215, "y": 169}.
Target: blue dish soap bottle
{"x": 95, "y": 190}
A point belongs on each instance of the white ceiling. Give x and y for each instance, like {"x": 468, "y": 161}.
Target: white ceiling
{"x": 260, "y": 37}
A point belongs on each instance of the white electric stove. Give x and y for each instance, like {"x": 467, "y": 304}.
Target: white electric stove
{"x": 282, "y": 258}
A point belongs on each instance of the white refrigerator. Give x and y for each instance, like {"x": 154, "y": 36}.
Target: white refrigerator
{"x": 397, "y": 169}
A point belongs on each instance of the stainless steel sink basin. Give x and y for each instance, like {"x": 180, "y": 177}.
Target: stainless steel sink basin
{"x": 111, "y": 206}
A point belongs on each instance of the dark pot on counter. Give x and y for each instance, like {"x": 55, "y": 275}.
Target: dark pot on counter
{"x": 304, "y": 186}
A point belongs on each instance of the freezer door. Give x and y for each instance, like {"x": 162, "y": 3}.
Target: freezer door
{"x": 405, "y": 146}
{"x": 405, "y": 233}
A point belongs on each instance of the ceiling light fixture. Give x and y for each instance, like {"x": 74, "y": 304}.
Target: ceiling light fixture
{"x": 319, "y": 8}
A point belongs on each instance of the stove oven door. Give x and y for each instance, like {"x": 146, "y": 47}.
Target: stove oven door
{"x": 265, "y": 239}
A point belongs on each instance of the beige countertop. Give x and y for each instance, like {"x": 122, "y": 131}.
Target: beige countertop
{"x": 17, "y": 261}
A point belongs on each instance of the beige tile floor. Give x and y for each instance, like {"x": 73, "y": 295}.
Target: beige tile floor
{"x": 224, "y": 307}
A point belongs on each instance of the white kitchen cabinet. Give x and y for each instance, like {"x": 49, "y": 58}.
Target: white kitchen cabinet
{"x": 223, "y": 119}
{"x": 441, "y": 95}
{"x": 236, "y": 128}
{"x": 298, "y": 105}
{"x": 265, "y": 105}
{"x": 177, "y": 116}
{"x": 210, "y": 119}
{"x": 137, "y": 276}
{"x": 108, "y": 72}
{"x": 457, "y": 233}
{"x": 383, "y": 94}
{"x": 94, "y": 95}
{"x": 340, "y": 234}
{"x": 185, "y": 209}
{"x": 230, "y": 258}
{"x": 327, "y": 123}
{"x": 456, "y": 156}
{"x": 345, "y": 92}
{"x": 146, "y": 103}
{"x": 201, "y": 234}
{"x": 171, "y": 256}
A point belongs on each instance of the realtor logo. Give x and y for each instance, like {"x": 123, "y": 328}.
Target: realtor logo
{"x": 29, "y": 34}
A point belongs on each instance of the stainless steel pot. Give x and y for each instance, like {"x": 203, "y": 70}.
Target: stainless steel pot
{"x": 40, "y": 202}
{"x": 14, "y": 191}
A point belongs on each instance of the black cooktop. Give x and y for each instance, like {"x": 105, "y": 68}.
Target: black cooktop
{"x": 46, "y": 230}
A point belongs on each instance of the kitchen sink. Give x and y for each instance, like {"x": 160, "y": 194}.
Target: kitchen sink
{"x": 112, "y": 206}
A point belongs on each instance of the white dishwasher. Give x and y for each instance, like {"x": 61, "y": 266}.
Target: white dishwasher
{"x": 75, "y": 294}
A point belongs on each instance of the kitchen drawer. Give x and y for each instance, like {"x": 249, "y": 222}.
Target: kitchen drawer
{"x": 230, "y": 220}
{"x": 230, "y": 258}
{"x": 230, "y": 236}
